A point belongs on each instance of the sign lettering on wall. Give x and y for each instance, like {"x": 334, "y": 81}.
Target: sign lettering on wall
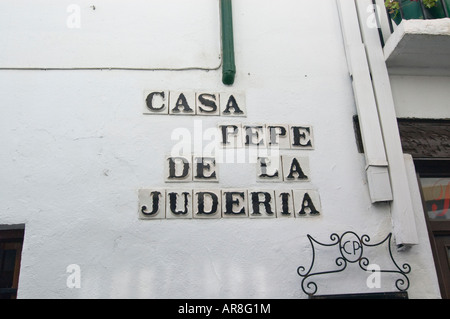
{"x": 213, "y": 203}
{"x": 228, "y": 203}
{"x": 195, "y": 103}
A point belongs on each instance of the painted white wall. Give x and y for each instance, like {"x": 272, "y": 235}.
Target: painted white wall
{"x": 421, "y": 96}
{"x": 76, "y": 148}
{"x": 110, "y": 33}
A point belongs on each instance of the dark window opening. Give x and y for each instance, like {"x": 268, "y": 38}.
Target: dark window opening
{"x": 11, "y": 242}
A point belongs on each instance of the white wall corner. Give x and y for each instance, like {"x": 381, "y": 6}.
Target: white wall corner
{"x": 424, "y": 247}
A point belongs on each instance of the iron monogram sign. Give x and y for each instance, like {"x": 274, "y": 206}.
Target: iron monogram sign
{"x": 350, "y": 248}
{"x": 266, "y": 141}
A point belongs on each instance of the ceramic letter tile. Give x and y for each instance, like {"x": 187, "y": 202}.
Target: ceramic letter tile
{"x": 207, "y": 204}
{"x": 178, "y": 203}
{"x": 182, "y": 103}
{"x": 278, "y": 136}
{"x": 156, "y": 102}
{"x": 307, "y": 203}
{"x": 295, "y": 168}
{"x": 301, "y": 137}
{"x": 230, "y": 135}
{"x": 254, "y": 135}
{"x": 208, "y": 104}
{"x": 261, "y": 203}
{"x": 178, "y": 169}
{"x": 234, "y": 203}
{"x": 268, "y": 169}
{"x": 152, "y": 203}
{"x": 205, "y": 169}
{"x": 284, "y": 202}
{"x": 233, "y": 104}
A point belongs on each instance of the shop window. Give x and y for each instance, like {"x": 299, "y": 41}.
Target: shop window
{"x": 436, "y": 193}
{"x": 436, "y": 200}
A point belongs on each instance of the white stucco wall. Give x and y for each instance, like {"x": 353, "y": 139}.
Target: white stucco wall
{"x": 110, "y": 33}
{"x": 421, "y": 96}
{"x": 76, "y": 148}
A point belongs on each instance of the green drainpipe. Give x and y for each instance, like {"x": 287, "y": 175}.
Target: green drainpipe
{"x": 228, "y": 66}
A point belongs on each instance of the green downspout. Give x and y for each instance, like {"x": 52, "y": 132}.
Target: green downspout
{"x": 228, "y": 66}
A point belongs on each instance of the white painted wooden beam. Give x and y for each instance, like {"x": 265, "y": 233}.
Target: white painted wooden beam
{"x": 372, "y": 138}
{"x": 381, "y": 18}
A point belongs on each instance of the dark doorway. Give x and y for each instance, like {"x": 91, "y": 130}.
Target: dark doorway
{"x": 11, "y": 241}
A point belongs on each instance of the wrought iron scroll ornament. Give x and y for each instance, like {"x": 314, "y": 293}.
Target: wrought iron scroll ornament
{"x": 351, "y": 249}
